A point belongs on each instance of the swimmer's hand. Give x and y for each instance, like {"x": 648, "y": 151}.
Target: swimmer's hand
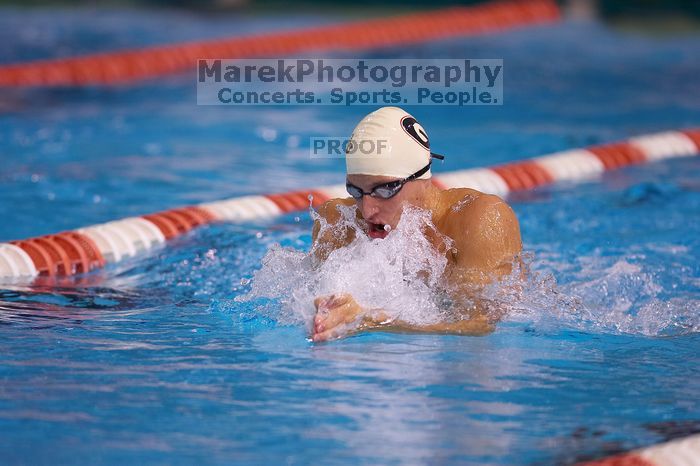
{"x": 337, "y": 316}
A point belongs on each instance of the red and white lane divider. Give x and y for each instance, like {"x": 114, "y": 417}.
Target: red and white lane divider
{"x": 683, "y": 452}
{"x": 89, "y": 248}
{"x": 133, "y": 65}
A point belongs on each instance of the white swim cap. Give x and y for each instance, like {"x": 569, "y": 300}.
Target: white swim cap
{"x": 388, "y": 142}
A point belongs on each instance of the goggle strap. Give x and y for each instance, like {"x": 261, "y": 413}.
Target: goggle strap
{"x": 420, "y": 172}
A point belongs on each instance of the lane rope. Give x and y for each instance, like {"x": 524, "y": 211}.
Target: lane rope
{"x": 90, "y": 248}
{"x": 683, "y": 452}
{"x": 146, "y": 63}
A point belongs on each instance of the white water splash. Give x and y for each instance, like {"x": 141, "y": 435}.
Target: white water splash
{"x": 400, "y": 273}
{"x": 609, "y": 298}
{"x": 403, "y": 274}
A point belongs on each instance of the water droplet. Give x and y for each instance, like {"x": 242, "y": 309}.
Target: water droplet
{"x": 293, "y": 140}
{"x": 268, "y": 134}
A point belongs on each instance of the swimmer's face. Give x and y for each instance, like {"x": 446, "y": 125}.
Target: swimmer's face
{"x": 379, "y": 212}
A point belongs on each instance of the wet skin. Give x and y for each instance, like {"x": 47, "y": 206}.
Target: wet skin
{"x": 486, "y": 238}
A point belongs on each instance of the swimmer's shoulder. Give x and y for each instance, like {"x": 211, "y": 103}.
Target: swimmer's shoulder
{"x": 329, "y": 209}
{"x": 465, "y": 200}
{"x": 463, "y": 206}
{"x": 484, "y": 228}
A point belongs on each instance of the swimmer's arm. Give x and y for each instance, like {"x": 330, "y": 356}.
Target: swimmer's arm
{"x": 487, "y": 242}
{"x": 338, "y": 316}
{"x": 487, "y": 238}
{"x": 380, "y": 321}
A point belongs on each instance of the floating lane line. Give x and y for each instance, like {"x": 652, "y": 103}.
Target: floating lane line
{"x": 151, "y": 62}
{"x": 89, "y": 248}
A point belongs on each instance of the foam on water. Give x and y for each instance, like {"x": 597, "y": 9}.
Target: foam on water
{"x": 400, "y": 273}
{"x": 403, "y": 275}
{"x": 617, "y": 297}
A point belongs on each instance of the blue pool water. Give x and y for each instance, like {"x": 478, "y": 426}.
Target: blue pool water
{"x": 154, "y": 361}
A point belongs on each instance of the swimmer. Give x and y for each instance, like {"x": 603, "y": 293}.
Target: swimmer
{"x": 483, "y": 228}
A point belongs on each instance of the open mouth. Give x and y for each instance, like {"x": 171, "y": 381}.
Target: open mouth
{"x": 377, "y": 230}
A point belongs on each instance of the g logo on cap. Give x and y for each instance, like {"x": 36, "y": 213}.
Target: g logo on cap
{"x": 416, "y": 131}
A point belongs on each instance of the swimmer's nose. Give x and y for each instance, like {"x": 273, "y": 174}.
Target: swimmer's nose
{"x": 369, "y": 207}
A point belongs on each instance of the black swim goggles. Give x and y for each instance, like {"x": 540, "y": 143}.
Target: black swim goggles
{"x": 392, "y": 188}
